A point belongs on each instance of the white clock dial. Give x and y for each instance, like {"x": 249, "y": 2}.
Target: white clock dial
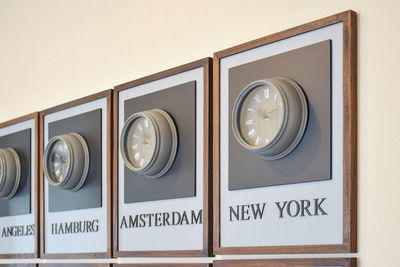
{"x": 59, "y": 161}
{"x": 141, "y": 142}
{"x": 261, "y": 115}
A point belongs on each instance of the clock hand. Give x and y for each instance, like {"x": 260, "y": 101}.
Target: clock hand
{"x": 267, "y": 115}
{"x": 272, "y": 110}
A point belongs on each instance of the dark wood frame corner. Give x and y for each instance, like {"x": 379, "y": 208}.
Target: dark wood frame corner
{"x": 343, "y": 262}
{"x": 349, "y": 19}
{"x": 206, "y": 63}
{"x": 36, "y": 117}
{"x": 109, "y": 95}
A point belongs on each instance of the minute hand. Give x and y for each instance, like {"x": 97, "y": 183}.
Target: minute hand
{"x": 272, "y": 110}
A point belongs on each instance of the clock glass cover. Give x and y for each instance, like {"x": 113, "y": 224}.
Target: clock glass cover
{"x": 261, "y": 115}
{"x": 59, "y": 161}
{"x": 141, "y": 142}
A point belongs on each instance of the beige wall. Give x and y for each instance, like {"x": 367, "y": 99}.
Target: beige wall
{"x": 58, "y": 50}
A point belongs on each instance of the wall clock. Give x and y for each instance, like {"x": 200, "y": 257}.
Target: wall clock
{"x": 66, "y": 161}
{"x": 10, "y": 173}
{"x": 149, "y": 141}
{"x": 270, "y": 117}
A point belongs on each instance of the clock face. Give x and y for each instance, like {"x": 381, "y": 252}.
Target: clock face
{"x": 141, "y": 142}
{"x": 59, "y": 161}
{"x": 261, "y": 115}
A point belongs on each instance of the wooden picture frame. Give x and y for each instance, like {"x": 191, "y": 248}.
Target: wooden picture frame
{"x": 349, "y": 20}
{"x": 342, "y": 262}
{"x": 75, "y": 265}
{"x": 206, "y": 63}
{"x": 35, "y": 116}
{"x": 108, "y": 94}
{"x": 163, "y": 265}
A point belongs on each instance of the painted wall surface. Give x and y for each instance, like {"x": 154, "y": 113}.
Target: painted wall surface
{"x": 55, "y": 51}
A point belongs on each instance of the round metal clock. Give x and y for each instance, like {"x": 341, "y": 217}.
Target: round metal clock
{"x": 10, "y": 173}
{"x": 66, "y": 161}
{"x": 149, "y": 142}
{"x": 270, "y": 117}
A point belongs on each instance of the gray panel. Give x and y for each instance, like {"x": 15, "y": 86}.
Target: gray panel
{"x": 180, "y": 102}
{"x": 21, "y": 202}
{"x": 310, "y": 67}
{"x": 89, "y": 196}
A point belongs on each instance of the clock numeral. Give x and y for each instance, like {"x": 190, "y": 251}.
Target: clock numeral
{"x": 251, "y": 133}
{"x": 266, "y": 93}
{"x": 249, "y": 122}
{"x": 135, "y": 146}
{"x": 137, "y": 155}
{"x": 250, "y": 109}
{"x": 257, "y": 98}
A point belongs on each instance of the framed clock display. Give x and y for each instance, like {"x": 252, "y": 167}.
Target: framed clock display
{"x": 18, "y": 187}
{"x": 161, "y": 165}
{"x": 285, "y": 145}
{"x": 331, "y": 262}
{"x": 76, "y": 178}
